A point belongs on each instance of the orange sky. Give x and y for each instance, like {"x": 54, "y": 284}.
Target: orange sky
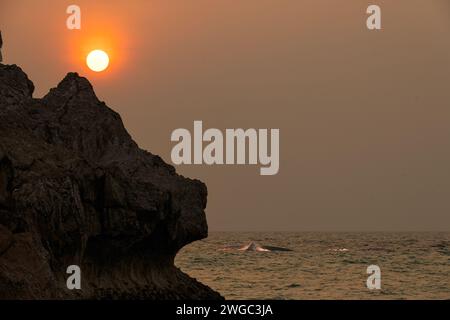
{"x": 364, "y": 116}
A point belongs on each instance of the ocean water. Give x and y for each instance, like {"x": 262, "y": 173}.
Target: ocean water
{"x": 322, "y": 265}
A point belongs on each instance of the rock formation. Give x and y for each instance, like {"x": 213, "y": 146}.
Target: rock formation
{"x": 75, "y": 189}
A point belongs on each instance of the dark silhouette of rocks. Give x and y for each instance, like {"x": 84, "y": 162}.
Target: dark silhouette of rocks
{"x": 75, "y": 189}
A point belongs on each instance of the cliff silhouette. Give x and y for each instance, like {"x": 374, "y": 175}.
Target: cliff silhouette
{"x": 75, "y": 189}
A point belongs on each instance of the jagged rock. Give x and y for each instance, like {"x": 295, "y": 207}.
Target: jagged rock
{"x": 75, "y": 189}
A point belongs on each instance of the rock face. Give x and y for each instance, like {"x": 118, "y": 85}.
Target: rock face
{"x": 75, "y": 189}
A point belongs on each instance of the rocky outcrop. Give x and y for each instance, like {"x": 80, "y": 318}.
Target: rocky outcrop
{"x": 75, "y": 189}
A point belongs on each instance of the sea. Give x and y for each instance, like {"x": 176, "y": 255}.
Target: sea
{"x": 322, "y": 265}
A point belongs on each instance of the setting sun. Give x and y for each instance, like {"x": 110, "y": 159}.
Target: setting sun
{"x": 97, "y": 60}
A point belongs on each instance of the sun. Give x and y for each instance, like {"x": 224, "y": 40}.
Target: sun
{"x": 97, "y": 60}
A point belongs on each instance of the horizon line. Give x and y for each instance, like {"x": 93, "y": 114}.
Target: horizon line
{"x": 337, "y": 231}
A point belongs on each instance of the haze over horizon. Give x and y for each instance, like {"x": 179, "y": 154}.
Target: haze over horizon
{"x": 363, "y": 116}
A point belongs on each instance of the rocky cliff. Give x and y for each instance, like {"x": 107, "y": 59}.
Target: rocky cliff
{"x": 75, "y": 189}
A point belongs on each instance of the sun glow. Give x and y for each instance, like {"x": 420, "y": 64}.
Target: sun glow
{"x": 97, "y": 60}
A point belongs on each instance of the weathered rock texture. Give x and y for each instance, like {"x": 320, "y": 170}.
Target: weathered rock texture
{"x": 75, "y": 189}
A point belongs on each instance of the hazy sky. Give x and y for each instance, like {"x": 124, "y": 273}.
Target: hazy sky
{"x": 364, "y": 116}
